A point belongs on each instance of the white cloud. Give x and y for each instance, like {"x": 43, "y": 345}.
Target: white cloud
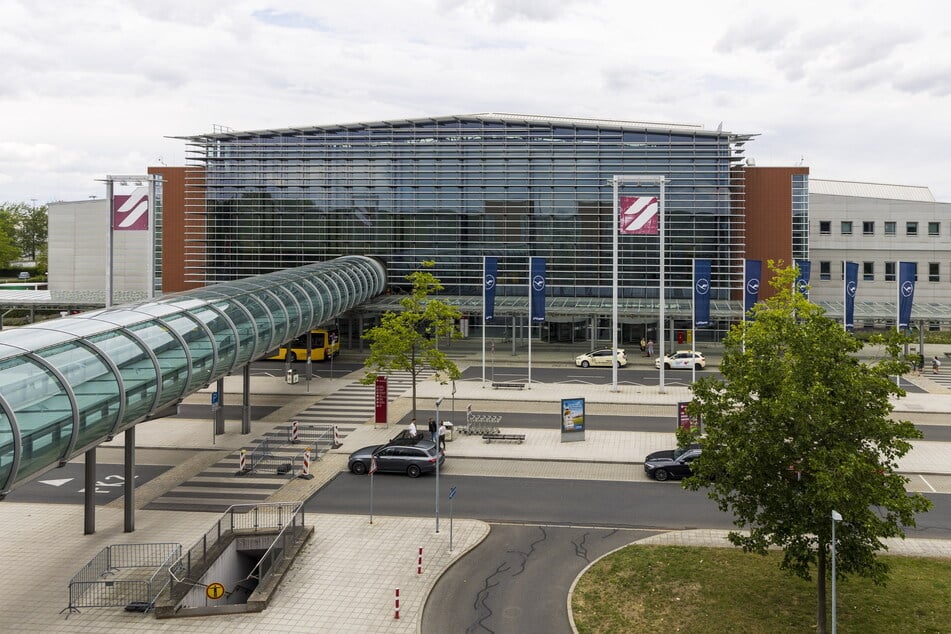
{"x": 87, "y": 88}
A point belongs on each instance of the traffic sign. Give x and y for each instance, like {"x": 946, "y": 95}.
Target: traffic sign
{"x": 214, "y": 398}
{"x": 215, "y": 590}
{"x": 452, "y": 492}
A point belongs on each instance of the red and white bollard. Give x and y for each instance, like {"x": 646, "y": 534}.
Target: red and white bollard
{"x": 305, "y": 472}
{"x": 337, "y": 442}
{"x": 242, "y": 462}
{"x": 295, "y": 433}
{"x": 396, "y": 615}
{"x": 419, "y": 562}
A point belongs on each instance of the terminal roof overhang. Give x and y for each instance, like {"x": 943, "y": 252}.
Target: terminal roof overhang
{"x": 608, "y": 124}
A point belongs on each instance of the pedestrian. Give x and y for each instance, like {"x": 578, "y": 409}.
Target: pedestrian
{"x": 935, "y": 364}
{"x": 442, "y": 436}
{"x": 643, "y": 346}
{"x": 650, "y": 348}
{"x": 412, "y": 428}
{"x": 433, "y": 429}
{"x": 921, "y": 364}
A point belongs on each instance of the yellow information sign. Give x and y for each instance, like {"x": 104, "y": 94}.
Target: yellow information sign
{"x": 215, "y": 590}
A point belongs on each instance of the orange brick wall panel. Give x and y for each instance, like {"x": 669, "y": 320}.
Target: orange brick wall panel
{"x": 768, "y": 212}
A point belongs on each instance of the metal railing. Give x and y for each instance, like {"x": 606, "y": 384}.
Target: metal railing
{"x": 313, "y": 436}
{"x": 238, "y": 519}
{"x": 102, "y": 582}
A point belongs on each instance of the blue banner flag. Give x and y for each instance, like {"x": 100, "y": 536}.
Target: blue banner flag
{"x": 490, "y": 268}
{"x": 701, "y": 293}
{"x": 751, "y": 292}
{"x": 802, "y": 280}
{"x": 906, "y": 291}
{"x": 538, "y": 288}
{"x": 851, "y": 286}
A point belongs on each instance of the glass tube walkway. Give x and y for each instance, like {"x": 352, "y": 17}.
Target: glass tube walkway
{"x": 67, "y": 385}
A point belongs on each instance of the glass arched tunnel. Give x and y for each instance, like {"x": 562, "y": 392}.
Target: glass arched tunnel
{"x": 67, "y": 385}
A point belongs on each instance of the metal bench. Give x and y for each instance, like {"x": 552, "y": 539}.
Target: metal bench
{"x": 519, "y": 438}
{"x": 514, "y": 386}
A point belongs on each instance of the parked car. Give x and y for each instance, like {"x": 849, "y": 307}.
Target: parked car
{"x": 412, "y": 460}
{"x": 600, "y": 357}
{"x": 23, "y": 275}
{"x": 670, "y": 463}
{"x": 683, "y": 359}
{"x": 406, "y": 438}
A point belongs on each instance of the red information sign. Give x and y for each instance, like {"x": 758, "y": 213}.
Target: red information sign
{"x": 381, "y": 399}
{"x": 684, "y": 420}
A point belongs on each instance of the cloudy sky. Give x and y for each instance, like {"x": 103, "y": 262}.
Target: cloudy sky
{"x": 856, "y": 90}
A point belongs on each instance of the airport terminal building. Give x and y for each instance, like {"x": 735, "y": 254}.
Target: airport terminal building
{"x": 454, "y": 189}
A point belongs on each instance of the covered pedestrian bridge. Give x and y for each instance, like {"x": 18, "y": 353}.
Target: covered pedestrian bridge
{"x": 70, "y": 384}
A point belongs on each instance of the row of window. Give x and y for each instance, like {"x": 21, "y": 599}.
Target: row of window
{"x": 868, "y": 271}
{"x": 868, "y": 228}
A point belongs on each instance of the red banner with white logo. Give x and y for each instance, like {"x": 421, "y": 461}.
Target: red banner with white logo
{"x": 640, "y": 215}
{"x": 380, "y": 399}
{"x": 130, "y": 212}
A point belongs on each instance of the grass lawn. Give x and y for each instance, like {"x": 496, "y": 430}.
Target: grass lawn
{"x": 681, "y": 589}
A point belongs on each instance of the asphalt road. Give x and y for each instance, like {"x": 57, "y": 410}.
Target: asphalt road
{"x": 66, "y": 485}
{"x": 517, "y": 579}
{"x": 544, "y": 532}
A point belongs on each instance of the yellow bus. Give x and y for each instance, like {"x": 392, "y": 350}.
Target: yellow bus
{"x": 325, "y": 344}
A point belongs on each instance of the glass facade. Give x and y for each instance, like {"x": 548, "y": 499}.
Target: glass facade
{"x": 68, "y": 384}
{"x": 455, "y": 189}
{"x": 800, "y": 216}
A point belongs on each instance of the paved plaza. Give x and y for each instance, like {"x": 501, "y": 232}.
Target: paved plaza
{"x": 345, "y": 578}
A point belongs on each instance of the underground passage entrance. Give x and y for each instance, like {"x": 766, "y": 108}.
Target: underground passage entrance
{"x": 238, "y": 564}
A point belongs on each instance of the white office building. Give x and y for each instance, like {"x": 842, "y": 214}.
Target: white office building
{"x": 878, "y": 226}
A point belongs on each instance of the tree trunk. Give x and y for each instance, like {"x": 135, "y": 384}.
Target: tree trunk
{"x": 821, "y": 589}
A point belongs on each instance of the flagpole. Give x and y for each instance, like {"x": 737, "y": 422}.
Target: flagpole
{"x": 845, "y": 296}
{"x": 898, "y": 312}
{"x": 614, "y": 282}
{"x": 693, "y": 323}
{"x": 529, "y": 322}
{"x": 663, "y": 285}
{"x": 483, "y": 321}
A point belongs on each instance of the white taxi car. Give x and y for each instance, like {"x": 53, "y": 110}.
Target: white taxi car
{"x": 600, "y": 357}
{"x": 683, "y": 359}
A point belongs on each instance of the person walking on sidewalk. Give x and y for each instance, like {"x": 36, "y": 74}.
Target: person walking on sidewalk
{"x": 442, "y": 436}
{"x": 433, "y": 429}
{"x": 650, "y": 348}
{"x": 935, "y": 365}
{"x": 412, "y": 428}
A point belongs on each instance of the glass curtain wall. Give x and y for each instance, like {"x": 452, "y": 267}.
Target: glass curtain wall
{"x": 455, "y": 189}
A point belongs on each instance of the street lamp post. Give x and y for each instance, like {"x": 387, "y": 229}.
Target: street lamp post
{"x": 836, "y": 517}
{"x": 438, "y": 403}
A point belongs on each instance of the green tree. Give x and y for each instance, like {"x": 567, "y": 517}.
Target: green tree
{"x": 409, "y": 340}
{"x": 8, "y": 250}
{"x": 799, "y": 428}
{"x": 32, "y": 229}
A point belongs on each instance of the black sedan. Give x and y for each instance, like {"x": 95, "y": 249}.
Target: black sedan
{"x": 670, "y": 463}
{"x": 412, "y": 460}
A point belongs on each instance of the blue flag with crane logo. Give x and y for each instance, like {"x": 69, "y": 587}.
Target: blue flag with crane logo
{"x": 802, "y": 280}
{"x": 851, "y": 287}
{"x": 537, "y": 272}
{"x": 751, "y": 291}
{"x": 906, "y": 291}
{"x": 701, "y": 293}
{"x": 491, "y": 271}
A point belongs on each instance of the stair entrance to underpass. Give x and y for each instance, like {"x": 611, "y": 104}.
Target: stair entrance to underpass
{"x": 237, "y": 565}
